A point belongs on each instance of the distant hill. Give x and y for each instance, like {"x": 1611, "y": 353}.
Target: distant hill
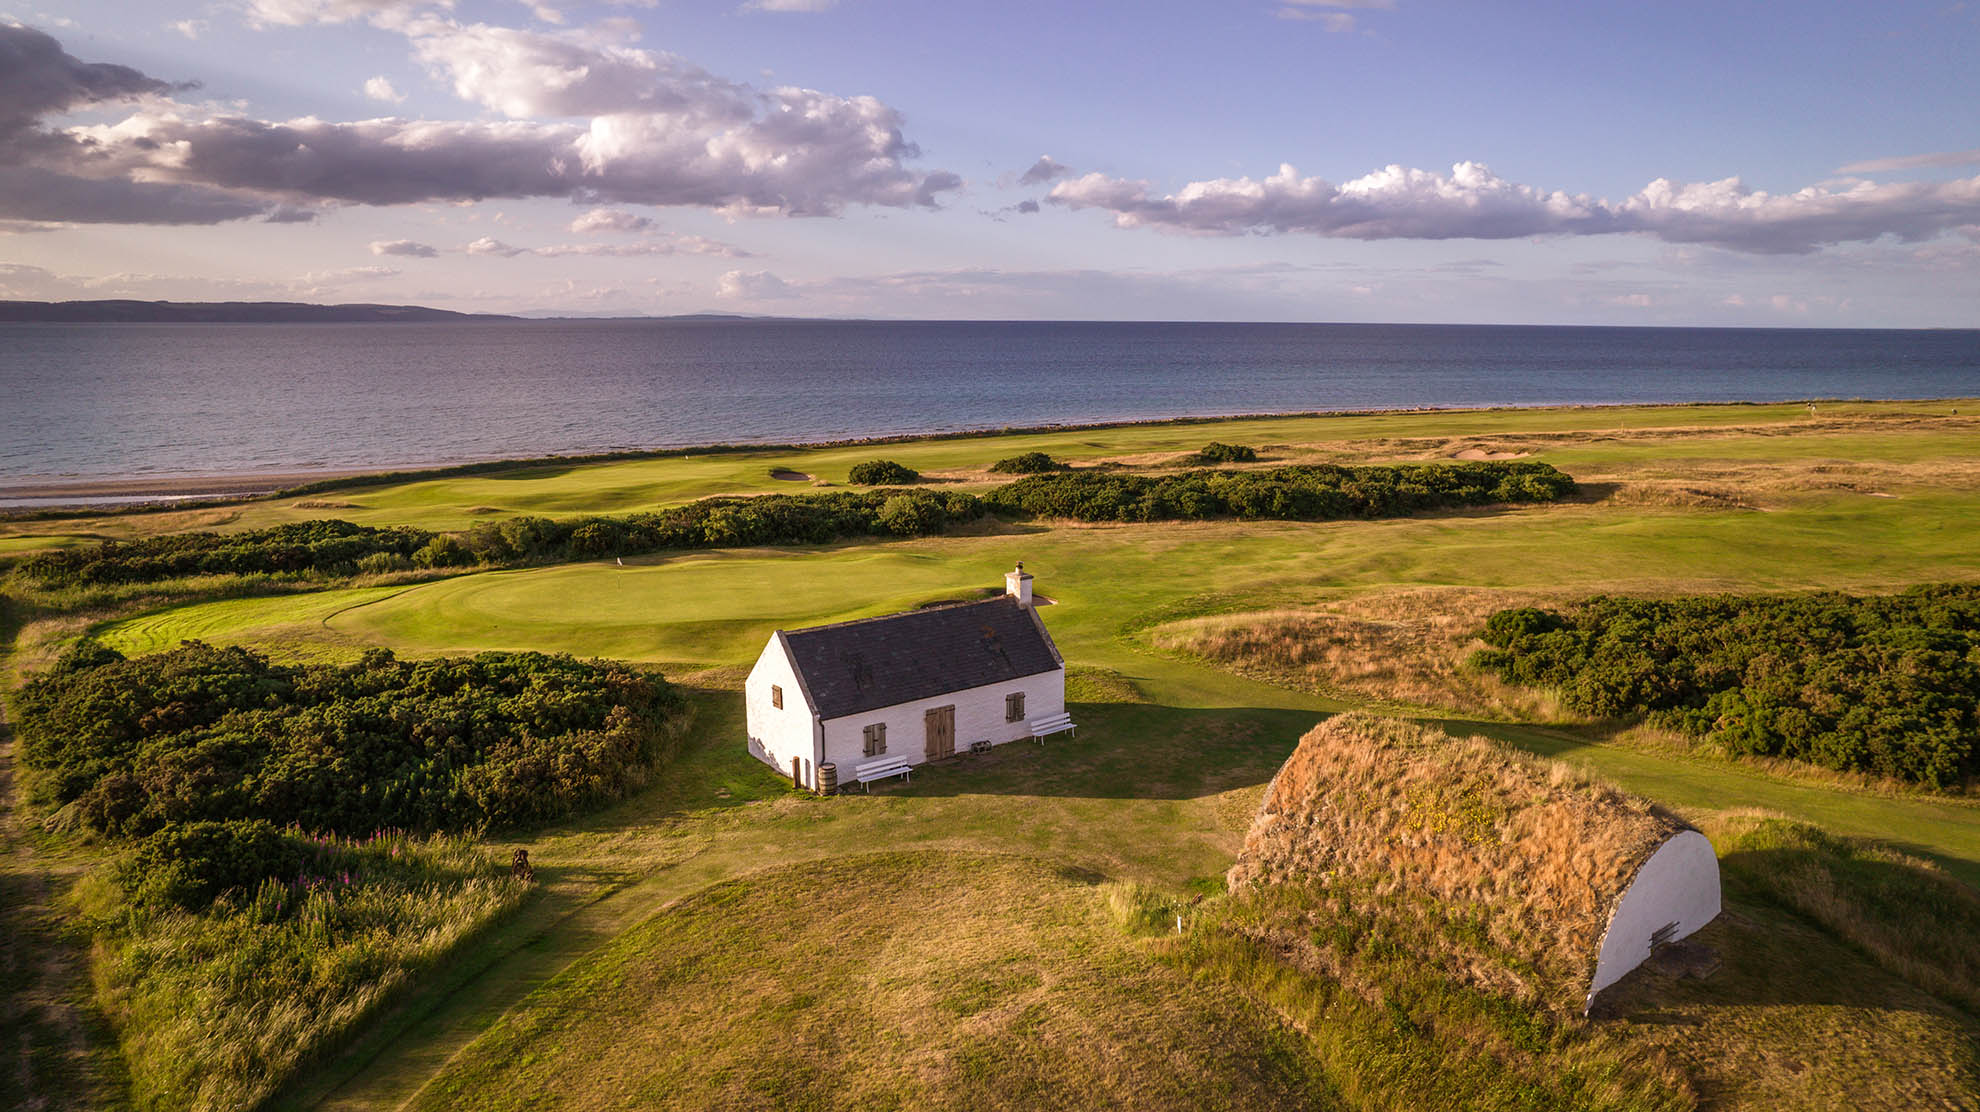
{"x": 223, "y": 312}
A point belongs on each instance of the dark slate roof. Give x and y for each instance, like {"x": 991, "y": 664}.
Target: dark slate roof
{"x": 879, "y": 662}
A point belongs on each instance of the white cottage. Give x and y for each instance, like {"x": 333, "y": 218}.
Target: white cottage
{"x": 875, "y": 697}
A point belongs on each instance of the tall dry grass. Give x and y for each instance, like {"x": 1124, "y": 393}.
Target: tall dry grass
{"x": 215, "y": 1009}
{"x": 1405, "y": 647}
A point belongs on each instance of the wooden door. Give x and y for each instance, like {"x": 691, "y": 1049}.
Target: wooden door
{"x": 941, "y": 732}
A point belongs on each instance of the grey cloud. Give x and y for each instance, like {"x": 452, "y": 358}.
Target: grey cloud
{"x": 39, "y": 78}
{"x": 405, "y": 247}
{"x": 1027, "y": 206}
{"x": 1043, "y": 172}
{"x": 1473, "y": 203}
{"x": 690, "y": 139}
{"x": 33, "y": 193}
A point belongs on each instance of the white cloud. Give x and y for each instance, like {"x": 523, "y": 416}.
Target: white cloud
{"x": 301, "y": 13}
{"x": 488, "y": 245}
{"x": 1913, "y": 162}
{"x": 789, "y": 5}
{"x": 1472, "y": 202}
{"x": 190, "y": 28}
{"x": 380, "y": 88}
{"x": 544, "y": 12}
{"x": 610, "y": 220}
{"x": 753, "y": 285}
{"x": 669, "y": 245}
{"x": 404, "y": 247}
{"x": 1329, "y": 13}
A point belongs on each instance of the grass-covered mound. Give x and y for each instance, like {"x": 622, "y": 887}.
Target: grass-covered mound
{"x": 908, "y": 981}
{"x": 1888, "y": 685}
{"x": 339, "y": 548}
{"x": 126, "y": 746}
{"x": 1505, "y": 867}
{"x": 215, "y": 1006}
{"x": 1319, "y": 492}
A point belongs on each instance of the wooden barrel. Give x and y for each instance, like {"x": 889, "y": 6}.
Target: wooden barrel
{"x": 828, "y": 779}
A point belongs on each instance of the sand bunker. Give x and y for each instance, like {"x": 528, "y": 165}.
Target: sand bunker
{"x": 1480, "y": 453}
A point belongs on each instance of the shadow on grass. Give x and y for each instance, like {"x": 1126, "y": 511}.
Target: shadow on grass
{"x": 1126, "y": 751}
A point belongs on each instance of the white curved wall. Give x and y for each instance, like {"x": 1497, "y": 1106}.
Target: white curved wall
{"x": 1678, "y": 884}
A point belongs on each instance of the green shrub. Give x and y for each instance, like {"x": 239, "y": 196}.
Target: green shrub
{"x": 1027, "y": 463}
{"x": 883, "y": 472}
{"x": 1886, "y": 685}
{"x": 1217, "y": 452}
{"x": 1307, "y": 493}
{"x": 379, "y": 563}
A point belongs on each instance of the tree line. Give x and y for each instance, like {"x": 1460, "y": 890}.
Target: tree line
{"x": 340, "y": 548}
{"x": 1317, "y": 492}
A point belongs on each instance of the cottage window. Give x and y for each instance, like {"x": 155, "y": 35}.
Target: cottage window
{"x": 776, "y": 696}
{"x": 876, "y": 739}
{"x": 1014, "y": 707}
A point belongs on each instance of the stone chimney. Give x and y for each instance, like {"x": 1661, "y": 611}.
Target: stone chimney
{"x": 1017, "y": 584}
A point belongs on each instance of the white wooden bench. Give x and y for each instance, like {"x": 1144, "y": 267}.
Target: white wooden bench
{"x": 1053, "y": 724}
{"x": 879, "y": 768}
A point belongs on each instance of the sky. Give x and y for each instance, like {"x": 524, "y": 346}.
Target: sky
{"x": 1719, "y": 164}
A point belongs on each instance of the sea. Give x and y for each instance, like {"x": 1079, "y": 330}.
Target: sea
{"x": 86, "y": 402}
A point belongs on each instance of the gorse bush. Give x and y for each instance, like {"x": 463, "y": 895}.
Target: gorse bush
{"x": 1885, "y": 685}
{"x": 883, "y": 472}
{"x": 209, "y": 735}
{"x": 1027, "y": 463}
{"x": 348, "y": 549}
{"x": 302, "y": 546}
{"x": 188, "y": 865}
{"x": 1219, "y": 452}
{"x": 1308, "y": 493}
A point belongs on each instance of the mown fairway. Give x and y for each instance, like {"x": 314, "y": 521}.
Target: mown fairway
{"x": 715, "y": 910}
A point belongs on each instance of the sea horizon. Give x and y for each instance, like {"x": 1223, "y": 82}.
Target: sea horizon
{"x": 163, "y": 404}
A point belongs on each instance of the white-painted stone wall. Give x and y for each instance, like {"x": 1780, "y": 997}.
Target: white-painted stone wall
{"x": 777, "y": 735}
{"x": 1678, "y": 884}
{"x": 979, "y": 717}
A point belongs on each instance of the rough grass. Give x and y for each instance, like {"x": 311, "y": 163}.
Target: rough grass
{"x": 1404, "y": 647}
{"x": 1901, "y": 911}
{"x": 214, "y": 1009}
{"x": 931, "y": 980}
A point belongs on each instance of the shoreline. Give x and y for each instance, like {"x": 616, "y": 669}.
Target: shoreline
{"x": 56, "y": 496}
